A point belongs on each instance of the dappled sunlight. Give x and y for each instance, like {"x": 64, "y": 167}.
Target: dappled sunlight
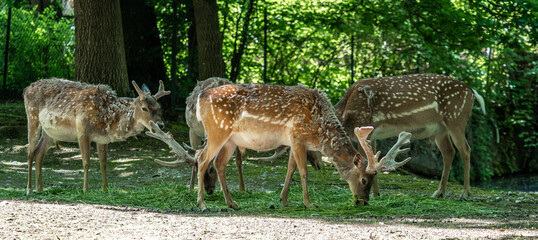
{"x": 126, "y": 174}
{"x": 15, "y": 163}
{"x": 127, "y": 160}
{"x": 66, "y": 174}
{"x": 14, "y": 149}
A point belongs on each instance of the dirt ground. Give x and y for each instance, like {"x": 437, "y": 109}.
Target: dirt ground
{"x": 45, "y": 220}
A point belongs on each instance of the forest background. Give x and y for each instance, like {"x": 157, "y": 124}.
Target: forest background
{"x": 490, "y": 45}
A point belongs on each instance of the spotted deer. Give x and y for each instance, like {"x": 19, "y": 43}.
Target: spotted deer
{"x": 426, "y": 105}
{"x": 197, "y": 133}
{"x": 264, "y": 117}
{"x": 63, "y": 110}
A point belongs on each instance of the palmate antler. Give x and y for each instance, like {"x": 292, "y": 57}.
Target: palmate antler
{"x": 383, "y": 165}
{"x": 182, "y": 156}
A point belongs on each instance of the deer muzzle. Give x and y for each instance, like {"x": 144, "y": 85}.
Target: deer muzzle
{"x": 360, "y": 201}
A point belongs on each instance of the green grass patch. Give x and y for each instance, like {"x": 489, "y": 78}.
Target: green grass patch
{"x": 135, "y": 180}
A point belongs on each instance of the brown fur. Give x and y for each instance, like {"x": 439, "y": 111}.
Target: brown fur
{"x": 427, "y": 105}
{"x": 264, "y": 117}
{"x": 78, "y": 112}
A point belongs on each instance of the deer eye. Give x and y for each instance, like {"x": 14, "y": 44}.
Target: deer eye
{"x": 144, "y": 109}
{"x": 363, "y": 181}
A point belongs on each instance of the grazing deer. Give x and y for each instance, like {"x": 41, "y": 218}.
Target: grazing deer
{"x": 427, "y": 105}
{"x": 264, "y": 117}
{"x": 63, "y": 110}
{"x": 197, "y": 132}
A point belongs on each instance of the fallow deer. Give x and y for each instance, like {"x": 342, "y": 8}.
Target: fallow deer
{"x": 427, "y": 105}
{"x": 63, "y": 110}
{"x": 264, "y": 117}
{"x": 197, "y": 133}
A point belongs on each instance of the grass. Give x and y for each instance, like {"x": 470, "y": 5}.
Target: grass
{"x": 135, "y": 180}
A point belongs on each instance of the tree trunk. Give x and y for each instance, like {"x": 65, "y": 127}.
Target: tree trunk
{"x": 210, "y": 62}
{"x": 143, "y": 52}
{"x": 100, "y": 53}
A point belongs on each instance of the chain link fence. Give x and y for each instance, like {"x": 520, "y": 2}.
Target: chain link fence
{"x": 40, "y": 45}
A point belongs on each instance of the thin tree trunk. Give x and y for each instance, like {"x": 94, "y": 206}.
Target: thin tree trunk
{"x": 6, "y": 51}
{"x": 100, "y": 53}
{"x": 236, "y": 59}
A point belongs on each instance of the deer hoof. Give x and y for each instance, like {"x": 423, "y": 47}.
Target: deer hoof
{"x": 310, "y": 205}
{"x": 284, "y": 202}
{"x": 233, "y": 205}
{"x": 202, "y": 205}
{"x": 438, "y": 194}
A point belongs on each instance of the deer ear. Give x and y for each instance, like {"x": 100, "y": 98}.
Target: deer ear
{"x": 357, "y": 160}
{"x": 125, "y": 100}
{"x": 145, "y": 88}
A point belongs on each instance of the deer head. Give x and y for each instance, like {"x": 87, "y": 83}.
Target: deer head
{"x": 146, "y": 106}
{"x": 360, "y": 178}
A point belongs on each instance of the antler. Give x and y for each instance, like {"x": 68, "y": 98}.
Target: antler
{"x": 141, "y": 93}
{"x": 391, "y": 164}
{"x": 181, "y": 154}
{"x": 161, "y": 92}
{"x": 373, "y": 165}
{"x": 278, "y": 152}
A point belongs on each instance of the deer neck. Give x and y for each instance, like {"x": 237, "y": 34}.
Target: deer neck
{"x": 333, "y": 140}
{"x": 122, "y": 124}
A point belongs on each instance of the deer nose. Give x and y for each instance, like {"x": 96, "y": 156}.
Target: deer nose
{"x": 361, "y": 201}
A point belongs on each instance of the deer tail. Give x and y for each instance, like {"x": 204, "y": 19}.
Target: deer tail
{"x": 480, "y": 100}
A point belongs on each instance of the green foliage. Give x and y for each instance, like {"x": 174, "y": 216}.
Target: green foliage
{"x": 40, "y": 46}
{"x": 490, "y": 45}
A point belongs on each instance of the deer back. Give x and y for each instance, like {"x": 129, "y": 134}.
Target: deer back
{"x": 190, "y": 111}
{"x": 263, "y": 117}
{"x": 419, "y": 103}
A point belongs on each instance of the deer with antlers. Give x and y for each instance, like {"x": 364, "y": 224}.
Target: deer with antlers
{"x": 264, "y": 117}
{"x": 427, "y": 105}
{"x": 197, "y": 133}
{"x": 63, "y": 110}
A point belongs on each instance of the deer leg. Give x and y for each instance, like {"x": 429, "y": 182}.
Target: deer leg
{"x": 299, "y": 154}
{"x": 34, "y": 129}
{"x": 195, "y": 141}
{"x": 314, "y": 157}
{"x": 239, "y": 164}
{"x": 292, "y": 165}
{"x": 208, "y": 153}
{"x": 193, "y": 177}
{"x": 465, "y": 152}
{"x": 41, "y": 149}
{"x": 84, "y": 145}
{"x": 220, "y": 164}
{"x": 445, "y": 146}
{"x": 375, "y": 184}
{"x": 102, "y": 152}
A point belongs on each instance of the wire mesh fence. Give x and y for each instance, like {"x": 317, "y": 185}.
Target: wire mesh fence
{"x": 39, "y": 45}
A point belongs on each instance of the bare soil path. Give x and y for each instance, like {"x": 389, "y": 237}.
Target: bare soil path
{"x": 46, "y": 220}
